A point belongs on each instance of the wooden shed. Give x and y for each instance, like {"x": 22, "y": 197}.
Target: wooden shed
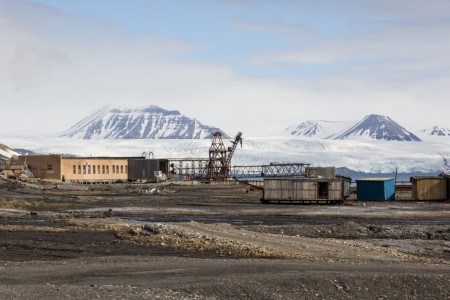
{"x": 429, "y": 188}
{"x": 306, "y": 190}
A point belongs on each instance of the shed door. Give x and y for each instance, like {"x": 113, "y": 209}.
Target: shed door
{"x": 322, "y": 190}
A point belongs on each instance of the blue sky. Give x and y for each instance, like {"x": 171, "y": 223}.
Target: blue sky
{"x": 251, "y": 66}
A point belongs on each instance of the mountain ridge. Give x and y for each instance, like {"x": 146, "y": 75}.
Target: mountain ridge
{"x": 373, "y": 127}
{"x": 318, "y": 128}
{"x": 378, "y": 127}
{"x": 437, "y": 131}
{"x": 148, "y": 122}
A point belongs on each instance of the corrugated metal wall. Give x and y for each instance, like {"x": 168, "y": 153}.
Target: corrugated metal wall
{"x": 145, "y": 168}
{"x": 335, "y": 189}
{"x": 277, "y": 189}
{"x": 142, "y": 168}
{"x": 304, "y": 189}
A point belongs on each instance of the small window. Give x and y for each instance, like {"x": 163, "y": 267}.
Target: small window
{"x": 89, "y": 169}
{"x": 126, "y": 169}
{"x": 107, "y": 169}
{"x": 98, "y": 168}
{"x": 84, "y": 169}
{"x": 114, "y": 169}
{"x": 49, "y": 167}
{"x": 74, "y": 169}
{"x": 93, "y": 169}
{"x": 121, "y": 169}
{"x": 79, "y": 169}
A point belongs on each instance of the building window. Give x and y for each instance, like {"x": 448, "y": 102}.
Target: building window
{"x": 103, "y": 169}
{"x": 113, "y": 169}
{"x": 121, "y": 169}
{"x": 84, "y": 169}
{"x": 79, "y": 169}
{"x": 126, "y": 169}
{"x": 49, "y": 167}
{"x": 98, "y": 168}
{"x": 93, "y": 169}
{"x": 89, "y": 169}
{"x": 74, "y": 169}
{"x": 107, "y": 169}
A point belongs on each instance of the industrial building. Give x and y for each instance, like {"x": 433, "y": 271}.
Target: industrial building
{"x": 77, "y": 169}
{"x": 93, "y": 169}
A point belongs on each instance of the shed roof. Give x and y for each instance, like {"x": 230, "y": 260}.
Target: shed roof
{"x": 375, "y": 179}
{"x": 425, "y": 177}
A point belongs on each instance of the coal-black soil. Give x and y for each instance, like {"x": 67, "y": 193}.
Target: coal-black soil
{"x": 31, "y": 246}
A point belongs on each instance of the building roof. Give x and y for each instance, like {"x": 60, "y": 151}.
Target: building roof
{"x": 425, "y": 177}
{"x": 103, "y": 157}
{"x": 376, "y": 179}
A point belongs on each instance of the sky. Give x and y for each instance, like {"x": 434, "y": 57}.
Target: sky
{"x": 256, "y": 66}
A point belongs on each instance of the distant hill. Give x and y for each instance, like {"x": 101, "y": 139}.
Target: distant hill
{"x": 150, "y": 122}
{"x": 437, "y": 131}
{"x": 371, "y": 127}
{"x": 319, "y": 128}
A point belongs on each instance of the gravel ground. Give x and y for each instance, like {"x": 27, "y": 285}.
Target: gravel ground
{"x": 216, "y": 242}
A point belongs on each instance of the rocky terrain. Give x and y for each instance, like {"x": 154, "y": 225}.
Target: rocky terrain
{"x": 207, "y": 241}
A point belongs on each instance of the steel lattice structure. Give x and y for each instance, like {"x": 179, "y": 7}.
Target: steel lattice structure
{"x": 197, "y": 168}
{"x": 284, "y": 169}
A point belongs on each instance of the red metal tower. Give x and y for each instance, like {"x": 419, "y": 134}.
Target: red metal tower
{"x": 219, "y": 159}
{"x": 217, "y": 165}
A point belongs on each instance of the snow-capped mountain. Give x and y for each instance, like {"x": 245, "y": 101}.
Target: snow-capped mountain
{"x": 7, "y": 153}
{"x": 151, "y": 122}
{"x": 377, "y": 127}
{"x": 318, "y": 128}
{"x": 372, "y": 127}
{"x": 437, "y": 131}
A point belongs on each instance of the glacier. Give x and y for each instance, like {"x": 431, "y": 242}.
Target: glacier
{"x": 371, "y": 156}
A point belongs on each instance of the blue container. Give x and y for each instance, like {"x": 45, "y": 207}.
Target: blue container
{"x": 375, "y": 189}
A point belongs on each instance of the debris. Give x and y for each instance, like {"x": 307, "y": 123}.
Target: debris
{"x": 152, "y": 191}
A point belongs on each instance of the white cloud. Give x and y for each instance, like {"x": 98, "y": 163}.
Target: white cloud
{"x": 57, "y": 68}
